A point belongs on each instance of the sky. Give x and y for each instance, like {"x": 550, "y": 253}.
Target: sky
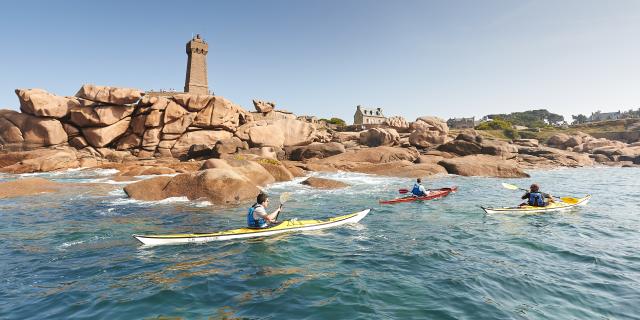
{"x": 412, "y": 58}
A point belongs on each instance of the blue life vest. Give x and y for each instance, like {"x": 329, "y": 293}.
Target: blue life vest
{"x": 253, "y": 223}
{"x": 536, "y": 199}
{"x": 416, "y": 190}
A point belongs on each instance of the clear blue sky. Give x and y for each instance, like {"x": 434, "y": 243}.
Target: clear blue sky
{"x": 413, "y": 58}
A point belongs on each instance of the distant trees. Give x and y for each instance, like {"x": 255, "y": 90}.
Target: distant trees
{"x": 579, "y": 119}
{"x": 496, "y": 124}
{"x": 337, "y": 121}
{"x": 532, "y": 118}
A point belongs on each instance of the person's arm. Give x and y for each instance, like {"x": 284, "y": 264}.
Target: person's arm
{"x": 526, "y": 196}
{"x": 273, "y": 215}
{"x": 549, "y": 197}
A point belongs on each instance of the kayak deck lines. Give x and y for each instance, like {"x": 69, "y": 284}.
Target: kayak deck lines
{"x": 555, "y": 206}
{"x": 285, "y": 226}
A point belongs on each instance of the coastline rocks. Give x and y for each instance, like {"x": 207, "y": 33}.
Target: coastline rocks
{"x": 314, "y": 150}
{"x": 31, "y": 131}
{"x": 43, "y": 160}
{"x": 527, "y": 142}
{"x": 220, "y": 113}
{"x": 545, "y": 156}
{"x": 342, "y": 137}
{"x": 205, "y": 137}
{"x": 422, "y": 137}
{"x": 397, "y": 122}
{"x": 278, "y": 171}
{"x": 263, "y": 106}
{"x": 376, "y": 137}
{"x": 428, "y": 131}
{"x": 322, "y": 183}
{"x": 99, "y": 137}
{"x": 402, "y": 168}
{"x": 483, "y": 165}
{"x": 110, "y": 95}
{"x": 277, "y": 133}
{"x": 219, "y": 181}
{"x": 373, "y": 155}
{"x": 98, "y": 116}
{"x": 38, "y": 102}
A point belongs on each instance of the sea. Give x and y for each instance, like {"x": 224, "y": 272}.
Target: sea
{"x": 71, "y": 255}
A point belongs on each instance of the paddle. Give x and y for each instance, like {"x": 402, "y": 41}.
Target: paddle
{"x": 569, "y": 200}
{"x": 284, "y": 197}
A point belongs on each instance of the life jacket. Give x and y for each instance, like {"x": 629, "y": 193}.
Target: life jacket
{"x": 416, "y": 190}
{"x": 536, "y": 199}
{"x": 252, "y": 222}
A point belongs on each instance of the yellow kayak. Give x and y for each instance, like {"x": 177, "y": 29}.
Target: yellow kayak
{"x": 564, "y": 204}
{"x": 285, "y": 226}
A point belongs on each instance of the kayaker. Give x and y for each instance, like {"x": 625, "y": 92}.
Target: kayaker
{"x": 536, "y": 198}
{"x": 258, "y": 217}
{"x": 418, "y": 189}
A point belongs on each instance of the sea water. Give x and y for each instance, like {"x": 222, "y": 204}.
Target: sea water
{"x": 71, "y": 255}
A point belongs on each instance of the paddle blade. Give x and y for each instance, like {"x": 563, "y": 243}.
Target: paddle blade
{"x": 509, "y": 186}
{"x": 284, "y": 197}
{"x": 403, "y": 191}
{"x": 570, "y": 200}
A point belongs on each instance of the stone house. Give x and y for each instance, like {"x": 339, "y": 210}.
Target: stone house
{"x": 462, "y": 123}
{"x": 368, "y": 116}
{"x": 603, "y": 116}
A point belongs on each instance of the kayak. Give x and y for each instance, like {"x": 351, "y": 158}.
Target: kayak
{"x": 434, "y": 194}
{"x": 554, "y": 206}
{"x": 283, "y": 227}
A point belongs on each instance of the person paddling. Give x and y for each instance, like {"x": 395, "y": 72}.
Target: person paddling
{"x": 536, "y": 198}
{"x": 258, "y": 217}
{"x": 418, "y": 189}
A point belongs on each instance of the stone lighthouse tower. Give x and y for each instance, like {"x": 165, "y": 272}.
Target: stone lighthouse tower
{"x": 196, "y": 79}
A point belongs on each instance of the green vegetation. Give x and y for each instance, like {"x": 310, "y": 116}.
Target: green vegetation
{"x": 533, "y": 118}
{"x": 511, "y": 133}
{"x": 337, "y": 121}
{"x": 496, "y": 124}
{"x": 579, "y": 119}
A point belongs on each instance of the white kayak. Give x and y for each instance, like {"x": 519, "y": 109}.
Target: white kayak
{"x": 554, "y": 206}
{"x": 285, "y": 226}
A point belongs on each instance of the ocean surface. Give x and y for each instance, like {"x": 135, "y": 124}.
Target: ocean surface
{"x": 70, "y": 255}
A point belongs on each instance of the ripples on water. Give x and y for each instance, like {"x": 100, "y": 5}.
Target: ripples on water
{"x": 72, "y": 255}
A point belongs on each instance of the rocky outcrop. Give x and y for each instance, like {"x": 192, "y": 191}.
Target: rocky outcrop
{"x": 99, "y": 137}
{"x": 221, "y": 113}
{"x": 98, "y": 116}
{"x": 397, "y": 122}
{"x": 552, "y": 157}
{"x": 322, "y": 183}
{"x": 43, "y": 160}
{"x": 428, "y": 131}
{"x": 110, "y": 95}
{"x": 376, "y": 137}
{"x": 30, "y": 131}
{"x": 205, "y": 137}
{"x": 218, "y": 181}
{"x": 264, "y": 106}
{"x": 277, "y": 133}
{"x": 38, "y": 102}
{"x": 483, "y": 165}
{"x": 372, "y": 155}
{"x": 466, "y": 144}
{"x": 314, "y": 150}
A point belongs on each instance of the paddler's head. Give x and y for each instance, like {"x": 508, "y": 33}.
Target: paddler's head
{"x": 534, "y": 188}
{"x": 263, "y": 199}
{"x": 419, "y": 180}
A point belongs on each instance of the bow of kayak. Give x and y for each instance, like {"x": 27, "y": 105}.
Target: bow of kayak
{"x": 555, "y": 206}
{"x": 434, "y": 194}
{"x": 285, "y": 226}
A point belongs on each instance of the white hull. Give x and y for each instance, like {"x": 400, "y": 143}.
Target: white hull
{"x": 582, "y": 202}
{"x": 160, "y": 240}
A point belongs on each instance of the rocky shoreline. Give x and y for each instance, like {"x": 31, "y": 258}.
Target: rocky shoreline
{"x": 208, "y": 147}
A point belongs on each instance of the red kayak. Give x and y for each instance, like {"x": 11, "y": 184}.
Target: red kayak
{"x": 434, "y": 194}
